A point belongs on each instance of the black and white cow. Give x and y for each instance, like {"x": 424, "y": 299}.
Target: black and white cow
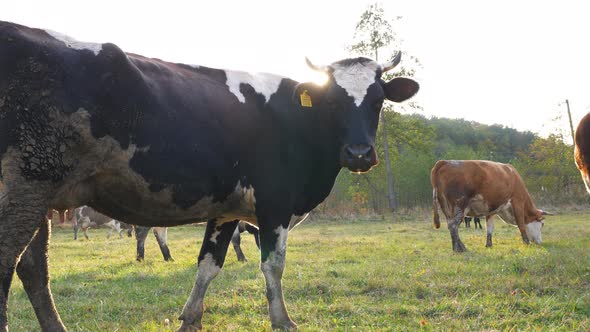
{"x": 156, "y": 143}
{"x": 85, "y": 217}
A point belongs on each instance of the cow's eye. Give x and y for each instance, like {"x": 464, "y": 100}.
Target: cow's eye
{"x": 378, "y": 105}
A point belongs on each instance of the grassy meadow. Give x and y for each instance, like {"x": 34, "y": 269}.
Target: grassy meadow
{"x": 341, "y": 276}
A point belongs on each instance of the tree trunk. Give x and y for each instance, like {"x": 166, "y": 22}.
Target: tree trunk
{"x": 391, "y": 193}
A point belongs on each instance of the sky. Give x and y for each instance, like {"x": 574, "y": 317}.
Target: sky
{"x": 497, "y": 62}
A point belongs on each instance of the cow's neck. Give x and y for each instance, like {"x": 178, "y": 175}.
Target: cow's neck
{"x": 316, "y": 146}
{"x": 530, "y": 210}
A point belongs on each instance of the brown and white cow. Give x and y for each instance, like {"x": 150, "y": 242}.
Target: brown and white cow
{"x": 582, "y": 149}
{"x": 481, "y": 187}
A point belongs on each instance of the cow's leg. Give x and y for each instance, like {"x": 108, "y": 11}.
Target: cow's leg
{"x": 34, "y": 274}
{"x": 254, "y": 231}
{"x": 453, "y": 226}
{"x": 477, "y": 222}
{"x": 489, "y": 230}
{"x": 76, "y": 229}
{"x": 467, "y": 222}
{"x": 141, "y": 234}
{"x": 518, "y": 212}
{"x": 273, "y": 249}
{"x": 211, "y": 258}
{"x": 18, "y": 223}
{"x": 236, "y": 241}
{"x": 120, "y": 231}
{"x": 161, "y": 234}
{"x": 109, "y": 232}
{"x": 85, "y": 231}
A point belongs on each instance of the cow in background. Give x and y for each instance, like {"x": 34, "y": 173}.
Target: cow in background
{"x": 582, "y": 149}
{"x": 476, "y": 222}
{"x": 480, "y": 187}
{"x": 86, "y": 217}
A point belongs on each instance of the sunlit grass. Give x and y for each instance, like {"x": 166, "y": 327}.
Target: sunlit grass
{"x": 363, "y": 276}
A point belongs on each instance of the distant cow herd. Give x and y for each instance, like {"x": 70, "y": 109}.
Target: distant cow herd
{"x": 105, "y": 137}
{"x": 85, "y": 218}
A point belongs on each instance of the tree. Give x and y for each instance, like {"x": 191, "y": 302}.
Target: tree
{"x": 374, "y": 32}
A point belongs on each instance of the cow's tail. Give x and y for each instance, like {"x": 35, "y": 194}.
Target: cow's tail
{"x": 435, "y": 216}
{"x": 434, "y": 182}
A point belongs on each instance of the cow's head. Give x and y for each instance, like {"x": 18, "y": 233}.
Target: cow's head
{"x": 533, "y": 228}
{"x": 353, "y": 96}
{"x": 582, "y": 150}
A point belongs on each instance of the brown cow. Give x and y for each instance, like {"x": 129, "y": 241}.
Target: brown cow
{"x": 481, "y": 187}
{"x": 582, "y": 149}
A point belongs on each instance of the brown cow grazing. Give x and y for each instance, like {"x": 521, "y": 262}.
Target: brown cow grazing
{"x": 480, "y": 187}
{"x": 582, "y": 149}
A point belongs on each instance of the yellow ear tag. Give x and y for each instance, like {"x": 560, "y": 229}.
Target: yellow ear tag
{"x": 305, "y": 99}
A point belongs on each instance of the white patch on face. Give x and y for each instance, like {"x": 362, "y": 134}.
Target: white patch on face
{"x": 265, "y": 84}
{"x": 533, "y": 231}
{"x": 356, "y": 79}
{"x": 73, "y": 43}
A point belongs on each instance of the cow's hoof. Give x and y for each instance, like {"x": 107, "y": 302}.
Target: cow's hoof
{"x": 459, "y": 247}
{"x": 488, "y": 245}
{"x": 285, "y": 326}
{"x": 190, "y": 327}
{"x": 139, "y": 259}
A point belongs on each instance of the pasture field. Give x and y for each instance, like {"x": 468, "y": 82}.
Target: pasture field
{"x": 341, "y": 276}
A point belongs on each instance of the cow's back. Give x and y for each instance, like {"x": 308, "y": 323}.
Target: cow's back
{"x": 104, "y": 126}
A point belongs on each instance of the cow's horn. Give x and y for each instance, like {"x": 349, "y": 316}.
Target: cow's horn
{"x": 316, "y": 68}
{"x": 394, "y": 62}
{"x": 545, "y": 213}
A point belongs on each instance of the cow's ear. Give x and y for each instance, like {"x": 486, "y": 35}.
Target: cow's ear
{"x": 307, "y": 95}
{"x": 400, "y": 89}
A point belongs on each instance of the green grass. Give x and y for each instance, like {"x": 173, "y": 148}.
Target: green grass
{"x": 364, "y": 276}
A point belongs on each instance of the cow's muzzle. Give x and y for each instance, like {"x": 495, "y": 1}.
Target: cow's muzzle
{"x": 358, "y": 157}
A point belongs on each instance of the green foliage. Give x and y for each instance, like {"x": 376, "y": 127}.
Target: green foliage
{"x": 340, "y": 276}
{"x": 549, "y": 170}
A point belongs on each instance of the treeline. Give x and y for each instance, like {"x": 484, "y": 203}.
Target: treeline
{"x": 416, "y": 143}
